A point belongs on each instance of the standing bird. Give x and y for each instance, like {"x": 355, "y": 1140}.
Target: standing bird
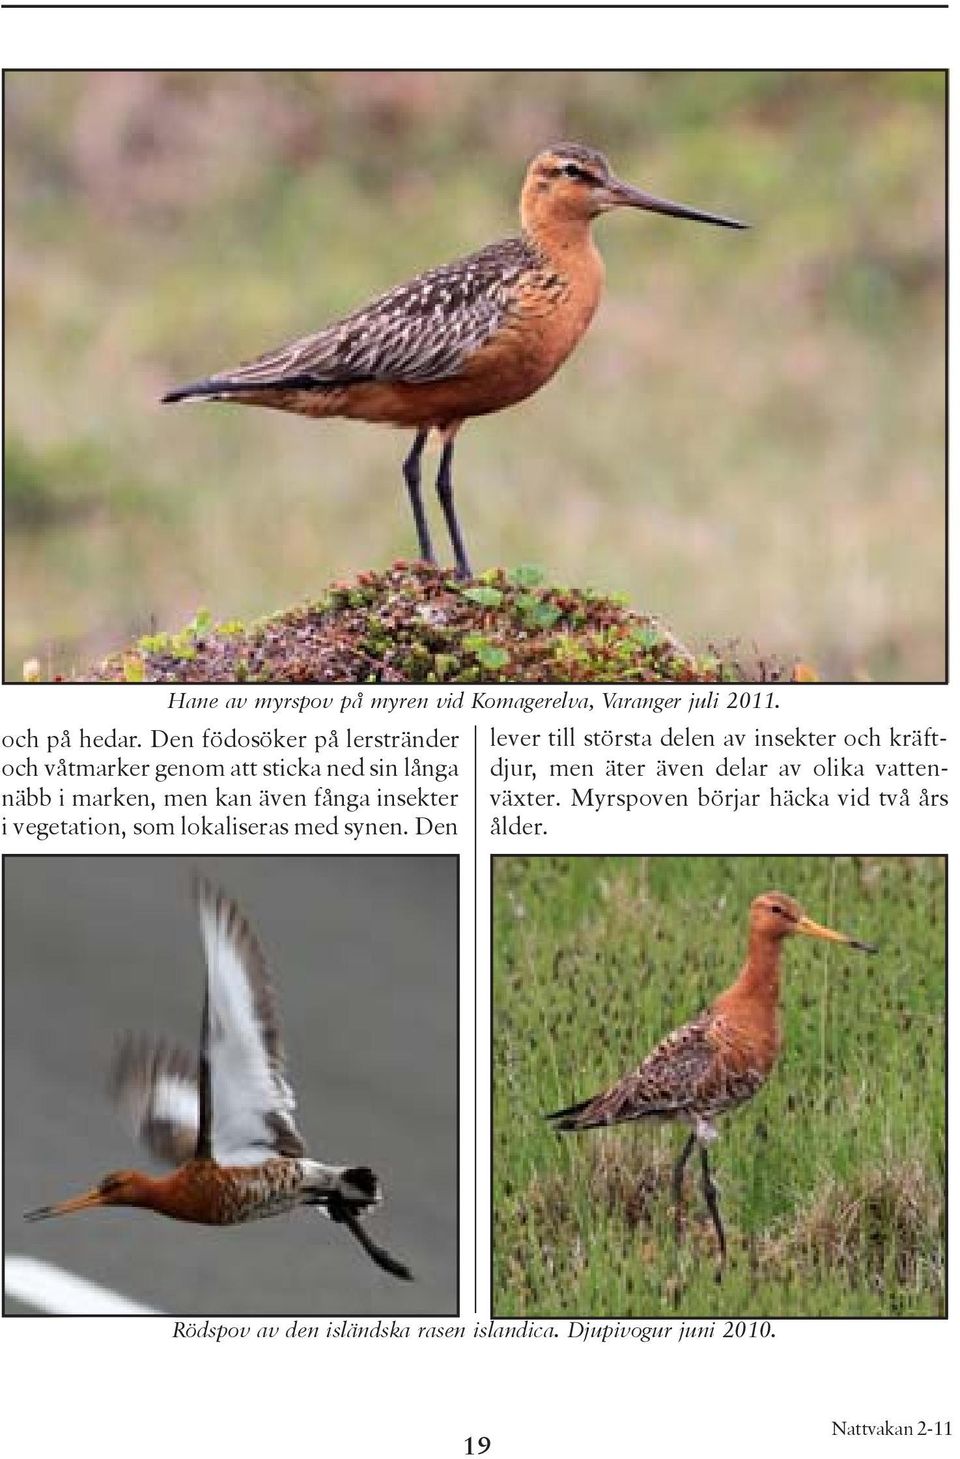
{"x": 461, "y": 340}
{"x": 718, "y": 1060}
{"x": 226, "y": 1119}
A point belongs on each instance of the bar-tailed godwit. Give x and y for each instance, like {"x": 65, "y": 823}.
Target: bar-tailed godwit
{"x": 463, "y": 340}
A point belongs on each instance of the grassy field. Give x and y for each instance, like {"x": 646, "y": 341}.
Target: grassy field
{"x": 749, "y": 443}
{"x": 831, "y": 1180}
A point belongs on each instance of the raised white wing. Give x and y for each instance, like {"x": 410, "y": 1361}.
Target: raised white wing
{"x": 246, "y": 1104}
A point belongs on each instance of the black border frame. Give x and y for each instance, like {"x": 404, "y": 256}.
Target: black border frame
{"x": 241, "y": 687}
{"x": 187, "y": 858}
{"x": 714, "y": 1317}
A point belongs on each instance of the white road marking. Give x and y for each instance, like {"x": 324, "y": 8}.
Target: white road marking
{"x": 51, "y": 1289}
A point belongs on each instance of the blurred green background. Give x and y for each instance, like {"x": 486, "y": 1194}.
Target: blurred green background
{"x": 749, "y": 442}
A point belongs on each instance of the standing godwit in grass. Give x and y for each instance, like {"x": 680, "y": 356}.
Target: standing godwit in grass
{"x": 462, "y": 340}
{"x": 226, "y": 1118}
{"x": 718, "y": 1060}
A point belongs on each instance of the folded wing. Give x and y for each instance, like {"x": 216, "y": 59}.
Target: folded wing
{"x": 420, "y": 331}
{"x": 679, "y": 1075}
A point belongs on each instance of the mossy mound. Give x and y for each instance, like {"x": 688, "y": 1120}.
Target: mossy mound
{"x": 415, "y": 625}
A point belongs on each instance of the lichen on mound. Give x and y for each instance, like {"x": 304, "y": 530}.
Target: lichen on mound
{"x": 414, "y": 624}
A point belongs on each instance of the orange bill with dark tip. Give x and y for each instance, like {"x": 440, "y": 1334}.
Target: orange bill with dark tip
{"x": 810, "y": 928}
{"x": 63, "y": 1208}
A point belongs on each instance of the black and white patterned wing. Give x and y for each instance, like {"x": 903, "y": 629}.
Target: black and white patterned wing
{"x": 249, "y": 1103}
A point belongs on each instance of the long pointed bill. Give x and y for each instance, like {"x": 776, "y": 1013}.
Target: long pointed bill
{"x": 621, "y": 194}
{"x": 63, "y": 1208}
{"x": 809, "y": 928}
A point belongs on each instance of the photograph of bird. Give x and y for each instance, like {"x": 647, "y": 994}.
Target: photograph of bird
{"x": 717, "y": 1061}
{"x": 225, "y": 1118}
{"x": 462, "y": 340}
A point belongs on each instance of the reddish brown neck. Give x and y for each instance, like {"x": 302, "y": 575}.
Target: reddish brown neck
{"x": 760, "y": 978}
{"x": 138, "y": 1190}
{"x": 554, "y": 227}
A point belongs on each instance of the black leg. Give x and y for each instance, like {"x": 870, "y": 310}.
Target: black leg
{"x": 445, "y": 493}
{"x": 339, "y": 1210}
{"x": 710, "y": 1196}
{"x": 411, "y": 475}
{"x": 678, "y": 1180}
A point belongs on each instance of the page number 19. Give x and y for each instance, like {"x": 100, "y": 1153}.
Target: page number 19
{"x": 478, "y": 1446}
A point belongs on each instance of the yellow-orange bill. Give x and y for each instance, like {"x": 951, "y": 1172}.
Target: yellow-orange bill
{"x": 810, "y": 928}
{"x": 63, "y": 1208}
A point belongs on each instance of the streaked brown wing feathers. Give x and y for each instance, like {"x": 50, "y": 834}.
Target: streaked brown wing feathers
{"x": 667, "y": 1082}
{"x": 419, "y": 331}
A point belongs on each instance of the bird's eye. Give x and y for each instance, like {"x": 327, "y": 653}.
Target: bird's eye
{"x": 570, "y": 169}
{"x": 780, "y": 911}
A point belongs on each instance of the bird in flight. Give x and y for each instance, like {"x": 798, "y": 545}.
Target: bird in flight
{"x": 718, "y": 1060}
{"x": 225, "y": 1118}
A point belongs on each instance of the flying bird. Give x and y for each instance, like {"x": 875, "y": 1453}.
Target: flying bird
{"x": 226, "y": 1118}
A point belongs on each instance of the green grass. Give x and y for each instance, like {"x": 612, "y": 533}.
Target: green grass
{"x": 832, "y": 1178}
{"x": 749, "y": 443}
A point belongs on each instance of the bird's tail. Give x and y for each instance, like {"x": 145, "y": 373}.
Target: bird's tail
{"x": 222, "y": 387}
{"x": 359, "y": 1188}
{"x": 355, "y": 1186}
{"x": 570, "y": 1118}
{"x": 209, "y": 389}
{"x": 345, "y": 1193}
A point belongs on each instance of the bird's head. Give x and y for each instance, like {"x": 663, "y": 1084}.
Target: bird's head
{"x": 775, "y": 915}
{"x": 119, "y": 1188}
{"x": 571, "y": 182}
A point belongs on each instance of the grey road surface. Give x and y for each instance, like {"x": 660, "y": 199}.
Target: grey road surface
{"x": 364, "y": 956}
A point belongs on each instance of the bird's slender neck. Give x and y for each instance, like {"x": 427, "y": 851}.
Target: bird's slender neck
{"x": 555, "y": 230}
{"x": 759, "y": 979}
{"x": 139, "y": 1190}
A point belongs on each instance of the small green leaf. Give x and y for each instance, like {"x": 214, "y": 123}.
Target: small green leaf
{"x": 544, "y": 615}
{"x": 645, "y": 637}
{"x": 491, "y": 656}
{"x": 485, "y": 597}
{"x": 488, "y": 655}
{"x": 526, "y": 575}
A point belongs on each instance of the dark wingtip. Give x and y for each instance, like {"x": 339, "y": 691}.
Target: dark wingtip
{"x": 566, "y": 1118}
{"x": 864, "y": 946}
{"x": 39, "y": 1214}
{"x": 196, "y": 390}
